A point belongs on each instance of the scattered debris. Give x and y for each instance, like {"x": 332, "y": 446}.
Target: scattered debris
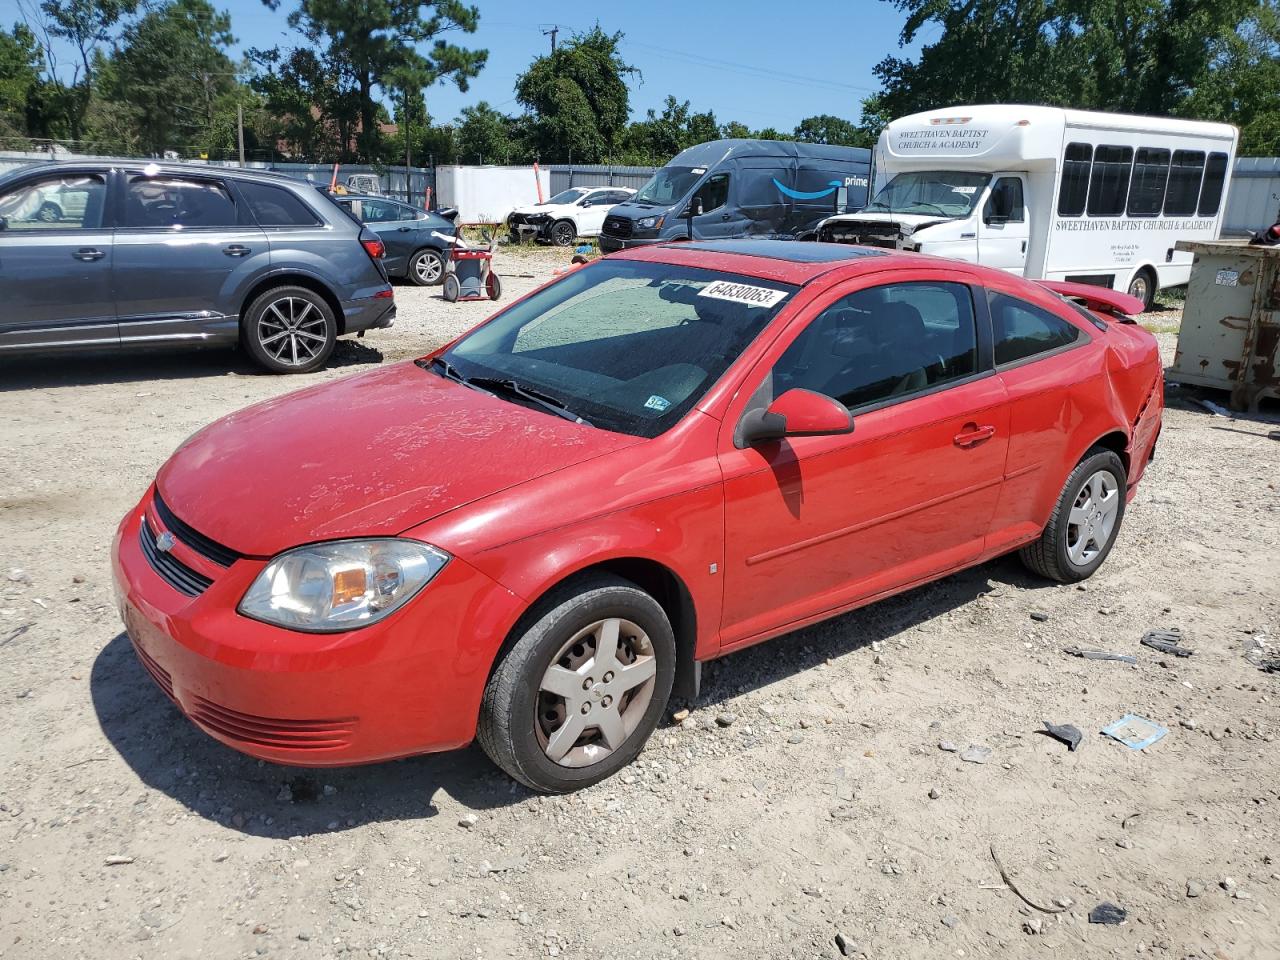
{"x": 976, "y": 753}
{"x": 1136, "y": 733}
{"x": 1108, "y": 913}
{"x": 1067, "y": 733}
{"x": 1166, "y": 641}
{"x": 1039, "y": 616}
{"x": 117, "y": 861}
{"x": 725, "y": 719}
{"x": 468, "y": 821}
{"x": 934, "y": 793}
{"x": 843, "y": 945}
{"x": 1215, "y": 409}
{"x": 1099, "y": 655}
{"x": 1004, "y": 875}
{"x": 947, "y": 746}
{"x": 680, "y": 716}
{"x": 1270, "y": 665}
{"x": 1194, "y": 888}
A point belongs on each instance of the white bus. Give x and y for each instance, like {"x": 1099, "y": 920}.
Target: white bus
{"x": 1048, "y": 193}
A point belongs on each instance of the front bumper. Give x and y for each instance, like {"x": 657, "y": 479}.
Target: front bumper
{"x": 409, "y": 684}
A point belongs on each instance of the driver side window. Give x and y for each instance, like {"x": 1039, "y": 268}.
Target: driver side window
{"x": 884, "y": 343}
{"x": 715, "y": 192}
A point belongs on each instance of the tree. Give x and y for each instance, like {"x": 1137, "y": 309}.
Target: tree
{"x": 86, "y": 25}
{"x": 172, "y": 70}
{"x": 19, "y": 77}
{"x": 578, "y": 97}
{"x": 735, "y": 130}
{"x": 313, "y": 99}
{"x": 376, "y": 41}
{"x": 659, "y": 137}
{"x": 487, "y": 136}
{"x": 826, "y": 128}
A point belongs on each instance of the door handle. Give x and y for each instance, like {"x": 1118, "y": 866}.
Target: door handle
{"x": 1024, "y": 246}
{"x": 724, "y": 216}
{"x": 235, "y": 250}
{"x": 88, "y": 254}
{"x": 972, "y": 434}
{"x": 403, "y": 229}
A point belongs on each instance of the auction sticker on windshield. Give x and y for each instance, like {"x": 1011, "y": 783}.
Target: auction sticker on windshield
{"x": 742, "y": 293}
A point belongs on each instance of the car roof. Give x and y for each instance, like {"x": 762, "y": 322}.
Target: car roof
{"x": 167, "y": 166}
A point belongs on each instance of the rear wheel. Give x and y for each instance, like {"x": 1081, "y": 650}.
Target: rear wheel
{"x": 563, "y": 233}
{"x": 290, "y": 330}
{"x": 426, "y": 268}
{"x": 1085, "y": 522}
{"x": 452, "y": 288}
{"x": 1143, "y": 286}
{"x": 577, "y": 696}
{"x": 49, "y": 212}
{"x": 493, "y": 286}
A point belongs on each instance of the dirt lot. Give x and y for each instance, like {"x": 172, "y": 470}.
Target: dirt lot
{"x": 804, "y": 809}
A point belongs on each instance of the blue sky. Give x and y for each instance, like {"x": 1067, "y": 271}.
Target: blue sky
{"x": 762, "y": 63}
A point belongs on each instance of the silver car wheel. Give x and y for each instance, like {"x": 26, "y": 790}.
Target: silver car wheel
{"x": 1092, "y": 520}
{"x": 595, "y": 693}
{"x": 427, "y": 268}
{"x": 292, "y": 331}
{"x": 1138, "y": 287}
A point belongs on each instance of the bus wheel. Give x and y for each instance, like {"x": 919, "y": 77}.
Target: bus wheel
{"x": 1143, "y": 286}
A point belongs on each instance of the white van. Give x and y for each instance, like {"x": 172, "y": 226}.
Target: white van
{"x": 1048, "y": 193}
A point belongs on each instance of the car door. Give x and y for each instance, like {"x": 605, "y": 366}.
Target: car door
{"x": 816, "y": 524}
{"x": 56, "y": 262}
{"x": 718, "y": 218}
{"x": 1002, "y": 228}
{"x": 592, "y": 210}
{"x": 183, "y": 249}
{"x": 397, "y": 225}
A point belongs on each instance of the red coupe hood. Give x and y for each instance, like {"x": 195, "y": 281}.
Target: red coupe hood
{"x": 369, "y": 455}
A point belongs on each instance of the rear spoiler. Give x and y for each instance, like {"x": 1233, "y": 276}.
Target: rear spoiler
{"x": 1098, "y": 299}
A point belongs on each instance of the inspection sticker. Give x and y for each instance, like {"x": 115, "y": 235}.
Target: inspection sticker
{"x": 658, "y": 403}
{"x": 742, "y": 293}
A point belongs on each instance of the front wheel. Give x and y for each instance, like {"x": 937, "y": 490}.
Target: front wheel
{"x": 1085, "y": 521}
{"x": 426, "y": 268}
{"x": 583, "y": 687}
{"x": 563, "y": 233}
{"x": 290, "y": 330}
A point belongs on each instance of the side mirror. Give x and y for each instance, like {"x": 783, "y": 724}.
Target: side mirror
{"x": 842, "y": 199}
{"x": 797, "y": 413}
{"x": 695, "y": 208}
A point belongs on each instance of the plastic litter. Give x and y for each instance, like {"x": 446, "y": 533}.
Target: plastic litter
{"x": 1066, "y": 732}
{"x": 1166, "y": 641}
{"x": 1099, "y": 655}
{"x": 1136, "y": 733}
{"x": 1107, "y": 912}
{"x": 975, "y": 753}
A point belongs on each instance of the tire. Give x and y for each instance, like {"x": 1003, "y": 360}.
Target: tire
{"x": 426, "y": 268}
{"x": 289, "y": 329}
{"x": 1143, "y": 286}
{"x": 493, "y": 285}
{"x": 452, "y": 288}
{"x": 520, "y": 718}
{"x": 49, "y": 212}
{"x": 563, "y": 233}
{"x": 1059, "y": 554}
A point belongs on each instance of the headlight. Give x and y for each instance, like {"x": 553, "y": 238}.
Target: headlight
{"x": 648, "y": 223}
{"x": 329, "y": 587}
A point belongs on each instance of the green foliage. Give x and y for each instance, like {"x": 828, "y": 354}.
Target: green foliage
{"x": 19, "y": 77}
{"x": 487, "y": 136}
{"x": 578, "y": 98}
{"x": 836, "y": 131}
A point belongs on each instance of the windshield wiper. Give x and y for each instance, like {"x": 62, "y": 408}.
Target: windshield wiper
{"x": 544, "y": 400}
{"x": 447, "y": 369}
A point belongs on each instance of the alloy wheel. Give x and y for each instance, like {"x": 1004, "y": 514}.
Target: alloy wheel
{"x": 562, "y": 234}
{"x": 292, "y": 331}
{"x": 595, "y": 692}
{"x": 1138, "y": 287}
{"x": 1092, "y": 520}
{"x": 427, "y": 268}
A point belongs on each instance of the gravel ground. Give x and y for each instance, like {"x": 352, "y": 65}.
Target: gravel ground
{"x": 805, "y": 807}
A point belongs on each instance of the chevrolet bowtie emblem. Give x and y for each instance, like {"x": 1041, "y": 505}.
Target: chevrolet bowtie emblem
{"x": 164, "y": 542}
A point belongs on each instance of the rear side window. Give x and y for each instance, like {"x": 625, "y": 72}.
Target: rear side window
{"x": 177, "y": 203}
{"x": 1215, "y": 175}
{"x": 1150, "y": 174}
{"x": 1185, "y": 174}
{"x": 1023, "y": 330}
{"x": 1109, "y": 181}
{"x": 1075, "y": 179}
{"x": 276, "y": 206}
{"x": 67, "y": 202}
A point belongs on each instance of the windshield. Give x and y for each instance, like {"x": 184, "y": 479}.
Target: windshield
{"x": 624, "y": 345}
{"x": 566, "y": 196}
{"x": 948, "y": 193}
{"x": 669, "y": 186}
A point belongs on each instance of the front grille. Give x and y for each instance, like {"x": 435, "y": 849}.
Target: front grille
{"x": 272, "y": 731}
{"x": 158, "y": 673}
{"x": 618, "y": 227}
{"x": 210, "y": 549}
{"x": 175, "y": 573}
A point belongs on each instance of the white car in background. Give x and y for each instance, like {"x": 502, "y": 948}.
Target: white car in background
{"x": 576, "y": 212}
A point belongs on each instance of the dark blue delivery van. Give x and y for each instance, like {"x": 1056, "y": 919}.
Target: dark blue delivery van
{"x": 741, "y": 188}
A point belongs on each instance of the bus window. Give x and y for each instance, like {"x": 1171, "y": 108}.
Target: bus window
{"x": 1184, "y": 183}
{"x": 1075, "y": 179}
{"x": 1109, "y": 181}
{"x": 1146, "y": 189}
{"x": 1215, "y": 175}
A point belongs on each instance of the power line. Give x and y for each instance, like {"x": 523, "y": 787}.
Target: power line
{"x": 746, "y": 69}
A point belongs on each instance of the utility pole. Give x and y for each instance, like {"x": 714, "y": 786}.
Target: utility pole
{"x": 408, "y": 178}
{"x": 240, "y": 129}
{"x": 552, "y": 34}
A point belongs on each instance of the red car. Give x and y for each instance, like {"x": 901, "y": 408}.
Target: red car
{"x": 533, "y": 536}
